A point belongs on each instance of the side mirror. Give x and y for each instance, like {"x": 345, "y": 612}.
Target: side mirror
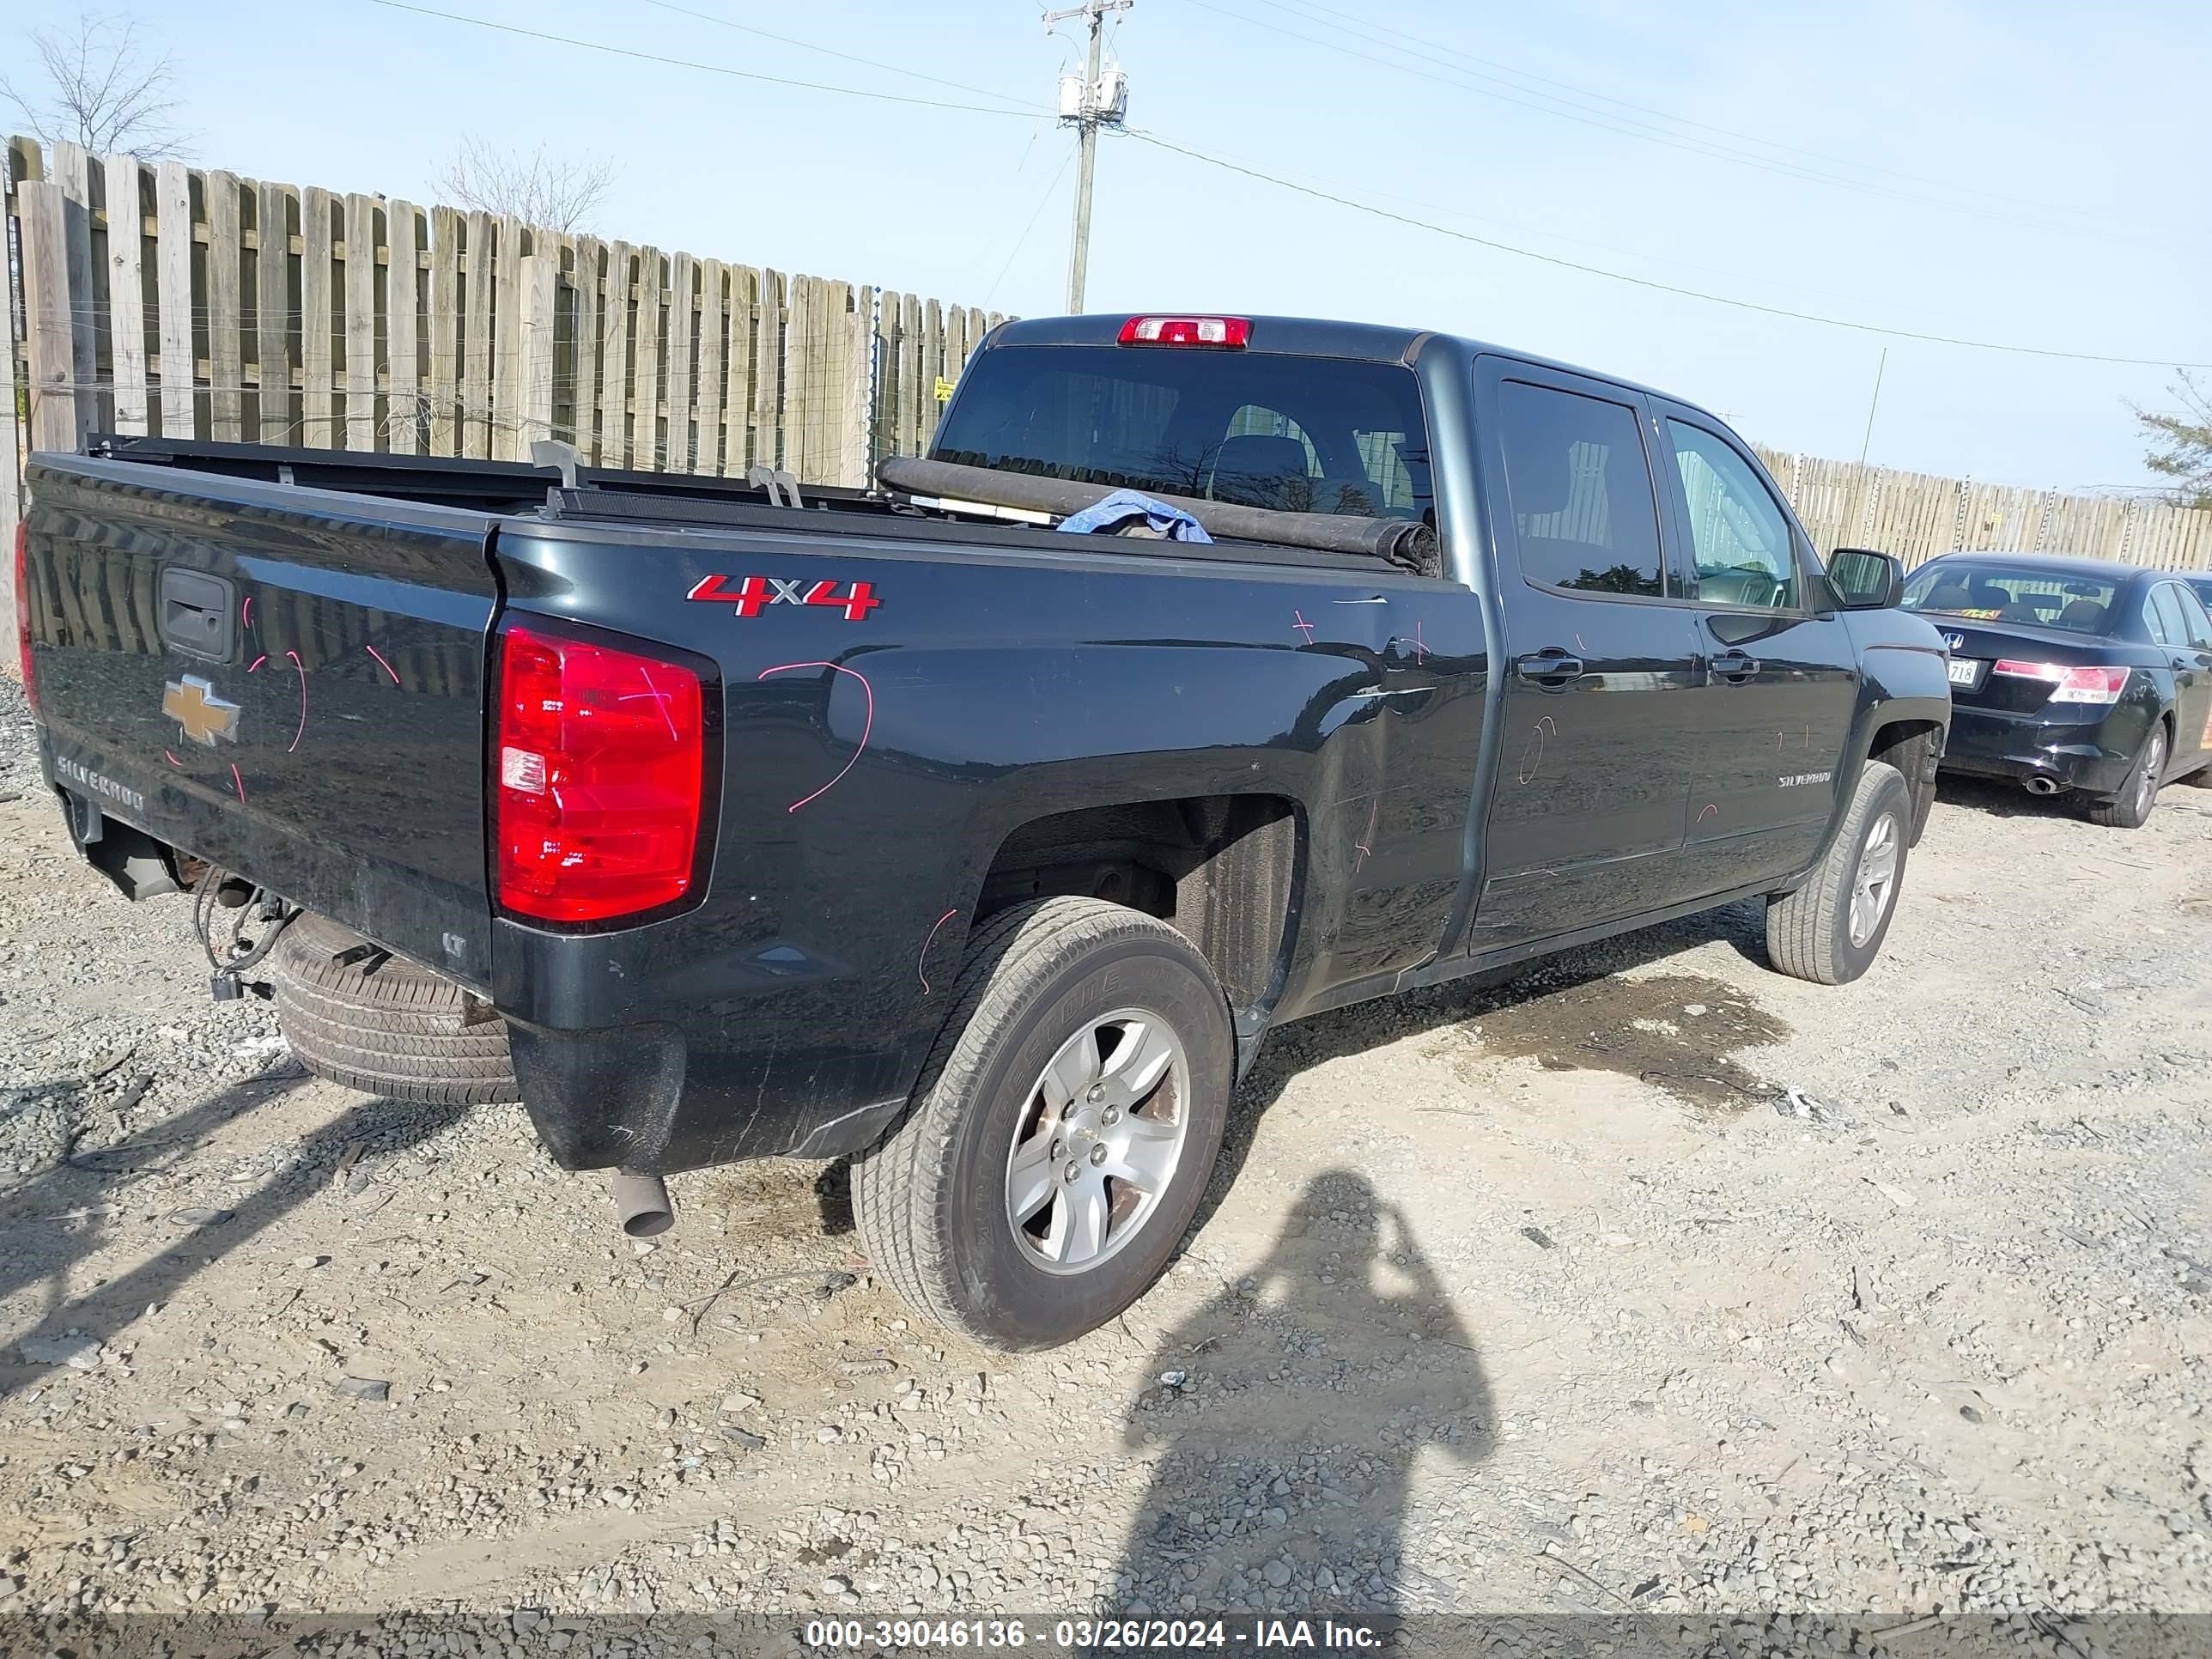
{"x": 1864, "y": 580}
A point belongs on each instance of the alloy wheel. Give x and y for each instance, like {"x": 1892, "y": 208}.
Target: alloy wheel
{"x": 1875, "y": 882}
{"x": 1099, "y": 1139}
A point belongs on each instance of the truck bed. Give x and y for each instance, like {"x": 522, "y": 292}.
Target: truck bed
{"x": 329, "y": 740}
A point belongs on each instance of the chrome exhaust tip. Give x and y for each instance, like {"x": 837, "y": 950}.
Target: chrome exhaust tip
{"x": 2040, "y": 784}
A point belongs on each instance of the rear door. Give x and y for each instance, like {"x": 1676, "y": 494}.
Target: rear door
{"x": 1777, "y": 680}
{"x": 2188, "y": 628}
{"x": 286, "y": 683}
{"x": 1586, "y": 817}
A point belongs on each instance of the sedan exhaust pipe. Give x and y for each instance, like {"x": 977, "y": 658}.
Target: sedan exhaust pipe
{"x": 2039, "y": 785}
{"x": 642, "y": 1203}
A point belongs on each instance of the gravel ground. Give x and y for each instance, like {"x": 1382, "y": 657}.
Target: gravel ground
{"x": 1652, "y": 1282}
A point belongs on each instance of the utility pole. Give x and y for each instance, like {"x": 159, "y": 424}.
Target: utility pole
{"x": 1094, "y": 104}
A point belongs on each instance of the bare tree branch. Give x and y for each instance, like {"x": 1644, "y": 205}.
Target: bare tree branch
{"x": 558, "y": 192}
{"x": 2181, "y": 443}
{"x": 106, "y": 90}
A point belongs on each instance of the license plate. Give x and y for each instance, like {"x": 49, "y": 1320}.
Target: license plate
{"x": 1964, "y": 672}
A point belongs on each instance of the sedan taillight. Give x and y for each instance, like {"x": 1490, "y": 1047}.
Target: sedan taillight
{"x": 2069, "y": 683}
{"x": 600, "y": 790}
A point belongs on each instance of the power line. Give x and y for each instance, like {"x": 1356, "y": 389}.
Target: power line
{"x": 849, "y": 58}
{"x": 1629, "y": 127}
{"x": 706, "y": 68}
{"x": 1304, "y": 9}
{"x": 1022, "y": 241}
{"x": 1159, "y": 143}
{"x": 713, "y": 69}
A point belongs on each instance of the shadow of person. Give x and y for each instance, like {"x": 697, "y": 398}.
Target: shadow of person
{"x": 1300, "y": 1045}
{"x": 1289, "y": 1415}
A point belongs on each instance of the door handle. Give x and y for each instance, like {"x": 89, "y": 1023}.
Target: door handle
{"x": 1549, "y": 668}
{"x": 1733, "y": 666}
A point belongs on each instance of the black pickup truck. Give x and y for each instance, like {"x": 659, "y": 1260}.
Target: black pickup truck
{"x": 718, "y": 820}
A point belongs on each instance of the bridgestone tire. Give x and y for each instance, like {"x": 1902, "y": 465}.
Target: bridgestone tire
{"x": 931, "y": 1198}
{"x": 384, "y": 1025}
{"x": 1809, "y": 932}
{"x": 2131, "y": 808}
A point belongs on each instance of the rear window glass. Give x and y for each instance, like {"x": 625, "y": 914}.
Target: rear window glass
{"x": 1297, "y": 434}
{"x": 2013, "y": 593}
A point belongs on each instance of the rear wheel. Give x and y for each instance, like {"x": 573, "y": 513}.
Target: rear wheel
{"x": 1831, "y": 929}
{"x": 1063, "y": 1131}
{"x": 2130, "y": 809}
{"x": 360, "y": 1016}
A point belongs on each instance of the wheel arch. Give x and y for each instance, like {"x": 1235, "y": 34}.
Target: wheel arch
{"x": 1228, "y": 872}
{"x": 1913, "y": 743}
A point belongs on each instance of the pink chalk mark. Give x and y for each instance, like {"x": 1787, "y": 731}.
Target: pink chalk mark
{"x": 256, "y": 663}
{"x": 172, "y": 760}
{"x": 302, "y": 731}
{"x": 246, "y": 612}
{"x": 1707, "y": 807}
{"x": 237, "y": 779}
{"x": 1303, "y": 624}
{"x": 1532, "y": 757}
{"x": 380, "y": 662}
{"x": 1365, "y": 845}
{"x": 659, "y": 699}
{"x": 867, "y": 724}
{"x": 926, "y": 944}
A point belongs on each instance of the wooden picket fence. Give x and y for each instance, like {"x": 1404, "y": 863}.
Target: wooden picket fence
{"x": 166, "y": 300}
{"x": 1917, "y": 515}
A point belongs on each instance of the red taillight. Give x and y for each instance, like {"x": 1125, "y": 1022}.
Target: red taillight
{"x": 1222, "y": 333}
{"x": 601, "y": 777}
{"x": 2068, "y": 684}
{"x": 23, "y": 612}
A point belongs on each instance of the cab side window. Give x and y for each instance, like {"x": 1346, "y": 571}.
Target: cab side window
{"x": 1580, "y": 491}
{"x": 1739, "y": 536}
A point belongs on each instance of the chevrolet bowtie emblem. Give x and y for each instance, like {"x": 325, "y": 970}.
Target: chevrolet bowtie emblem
{"x": 200, "y": 714}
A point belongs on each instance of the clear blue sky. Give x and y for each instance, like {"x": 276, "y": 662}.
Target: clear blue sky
{"x": 2017, "y": 171}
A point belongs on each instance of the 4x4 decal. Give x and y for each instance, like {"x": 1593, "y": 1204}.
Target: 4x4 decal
{"x": 754, "y": 594}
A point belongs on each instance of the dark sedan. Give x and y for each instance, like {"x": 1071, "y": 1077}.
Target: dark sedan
{"x": 2072, "y": 675}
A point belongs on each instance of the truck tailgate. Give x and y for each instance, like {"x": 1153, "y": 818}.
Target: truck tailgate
{"x": 288, "y": 684}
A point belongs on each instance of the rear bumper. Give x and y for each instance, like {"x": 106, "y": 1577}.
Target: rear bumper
{"x": 656, "y": 1099}
{"x": 659, "y": 1048}
{"x": 2093, "y": 757}
{"x": 663, "y": 1048}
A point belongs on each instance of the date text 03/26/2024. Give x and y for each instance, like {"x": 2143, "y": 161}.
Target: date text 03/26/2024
{"x": 1090, "y": 1635}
